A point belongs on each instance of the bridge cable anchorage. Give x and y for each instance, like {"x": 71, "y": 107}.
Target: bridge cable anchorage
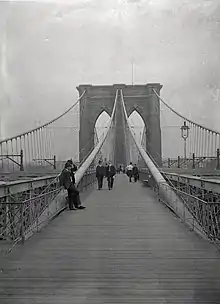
{"x": 167, "y": 192}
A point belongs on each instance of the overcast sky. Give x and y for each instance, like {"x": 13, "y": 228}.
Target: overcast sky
{"x": 48, "y": 48}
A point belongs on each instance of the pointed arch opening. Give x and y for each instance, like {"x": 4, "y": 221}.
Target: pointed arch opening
{"x": 100, "y": 125}
{"x": 138, "y": 125}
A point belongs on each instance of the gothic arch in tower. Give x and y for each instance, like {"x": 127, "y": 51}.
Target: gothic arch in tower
{"x": 138, "y": 98}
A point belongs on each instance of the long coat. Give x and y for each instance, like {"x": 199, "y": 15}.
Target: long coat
{"x": 100, "y": 171}
{"x": 110, "y": 171}
{"x": 67, "y": 178}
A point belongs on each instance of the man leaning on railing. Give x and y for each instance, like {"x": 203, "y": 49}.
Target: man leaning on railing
{"x": 67, "y": 180}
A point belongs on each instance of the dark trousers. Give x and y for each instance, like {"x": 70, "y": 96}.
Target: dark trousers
{"x": 136, "y": 178}
{"x": 130, "y": 175}
{"x": 100, "y": 181}
{"x": 73, "y": 197}
{"x": 110, "y": 182}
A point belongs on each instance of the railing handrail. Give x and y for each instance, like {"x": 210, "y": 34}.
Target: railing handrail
{"x": 190, "y": 158}
{"x": 45, "y": 124}
{"x": 194, "y": 197}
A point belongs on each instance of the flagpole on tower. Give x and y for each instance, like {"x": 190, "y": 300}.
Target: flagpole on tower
{"x": 132, "y": 71}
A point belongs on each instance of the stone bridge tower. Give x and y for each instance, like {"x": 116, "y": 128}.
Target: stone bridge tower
{"x": 101, "y": 98}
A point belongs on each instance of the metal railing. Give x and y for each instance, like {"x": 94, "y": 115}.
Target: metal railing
{"x": 200, "y": 215}
{"x": 197, "y": 210}
{"x": 26, "y": 206}
{"x": 204, "y": 162}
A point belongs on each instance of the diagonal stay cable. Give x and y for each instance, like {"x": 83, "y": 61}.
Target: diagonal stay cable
{"x": 182, "y": 195}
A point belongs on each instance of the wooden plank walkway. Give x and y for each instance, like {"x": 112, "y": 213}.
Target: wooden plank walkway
{"x": 126, "y": 247}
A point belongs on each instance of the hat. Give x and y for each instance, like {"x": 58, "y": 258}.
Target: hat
{"x": 70, "y": 161}
{"x": 67, "y": 164}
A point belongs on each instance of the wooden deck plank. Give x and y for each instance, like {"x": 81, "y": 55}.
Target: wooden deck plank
{"x": 126, "y": 247}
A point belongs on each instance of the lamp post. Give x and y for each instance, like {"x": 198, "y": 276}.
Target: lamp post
{"x": 185, "y": 135}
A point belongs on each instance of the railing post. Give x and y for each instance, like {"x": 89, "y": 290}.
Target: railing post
{"x": 168, "y": 162}
{"x": 218, "y": 160}
{"x": 193, "y": 165}
{"x": 22, "y": 161}
{"x": 54, "y": 162}
{"x": 37, "y": 219}
{"x": 7, "y": 219}
{"x": 22, "y": 223}
{"x": 178, "y": 162}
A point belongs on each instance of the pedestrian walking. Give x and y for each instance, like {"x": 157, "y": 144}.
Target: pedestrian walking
{"x": 135, "y": 173}
{"x": 130, "y": 171}
{"x": 110, "y": 173}
{"x": 100, "y": 172}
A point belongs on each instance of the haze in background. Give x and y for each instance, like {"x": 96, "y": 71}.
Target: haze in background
{"x": 49, "y": 48}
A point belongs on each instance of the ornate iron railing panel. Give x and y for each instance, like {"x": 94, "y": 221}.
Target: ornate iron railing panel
{"x": 203, "y": 205}
{"x": 20, "y": 210}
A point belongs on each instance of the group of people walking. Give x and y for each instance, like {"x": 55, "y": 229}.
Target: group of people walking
{"x": 132, "y": 171}
{"x": 67, "y": 179}
{"x": 107, "y": 171}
